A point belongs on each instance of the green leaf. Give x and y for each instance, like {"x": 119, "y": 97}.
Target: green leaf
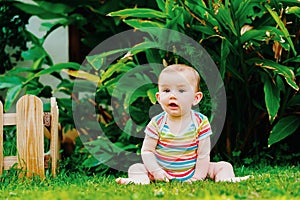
{"x": 58, "y": 8}
{"x": 55, "y": 68}
{"x": 225, "y": 18}
{"x": 10, "y": 81}
{"x": 133, "y": 97}
{"x": 283, "y": 128}
{"x": 177, "y": 21}
{"x": 58, "y": 68}
{"x": 272, "y": 98}
{"x": 161, "y": 5}
{"x": 204, "y": 29}
{"x": 126, "y": 147}
{"x": 34, "y": 39}
{"x": 169, "y": 7}
{"x": 111, "y": 84}
{"x": 247, "y": 10}
{"x": 34, "y": 53}
{"x": 37, "y": 10}
{"x": 293, "y": 10}
{"x": 294, "y": 59}
{"x": 84, "y": 75}
{"x": 225, "y": 51}
{"x": 17, "y": 70}
{"x": 282, "y": 27}
{"x": 96, "y": 61}
{"x": 139, "y": 23}
{"x": 144, "y": 46}
{"x": 294, "y": 101}
{"x": 138, "y": 13}
{"x": 253, "y": 34}
{"x": 34, "y": 91}
{"x": 115, "y": 68}
{"x": 264, "y": 33}
{"x": 11, "y": 95}
{"x": 152, "y": 94}
{"x": 128, "y": 127}
{"x": 282, "y": 70}
{"x": 38, "y": 63}
{"x": 93, "y": 162}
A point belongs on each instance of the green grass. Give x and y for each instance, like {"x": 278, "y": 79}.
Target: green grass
{"x": 268, "y": 183}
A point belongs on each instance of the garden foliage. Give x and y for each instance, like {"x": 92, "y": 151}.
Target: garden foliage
{"x": 254, "y": 43}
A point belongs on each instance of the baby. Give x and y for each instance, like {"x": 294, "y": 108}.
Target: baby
{"x": 177, "y": 141}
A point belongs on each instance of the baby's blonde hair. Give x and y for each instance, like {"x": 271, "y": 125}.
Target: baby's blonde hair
{"x": 182, "y": 68}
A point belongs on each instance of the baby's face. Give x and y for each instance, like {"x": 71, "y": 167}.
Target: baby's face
{"x": 177, "y": 93}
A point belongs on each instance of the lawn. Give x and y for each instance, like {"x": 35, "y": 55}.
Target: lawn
{"x": 268, "y": 183}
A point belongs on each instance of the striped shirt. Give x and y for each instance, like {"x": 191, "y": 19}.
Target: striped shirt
{"x": 177, "y": 154}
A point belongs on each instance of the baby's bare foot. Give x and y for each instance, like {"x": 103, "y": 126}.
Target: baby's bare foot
{"x": 125, "y": 181}
{"x": 235, "y": 179}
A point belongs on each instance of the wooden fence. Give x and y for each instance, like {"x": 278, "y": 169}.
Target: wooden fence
{"x": 31, "y": 123}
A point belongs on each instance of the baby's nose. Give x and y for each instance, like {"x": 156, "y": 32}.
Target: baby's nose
{"x": 172, "y": 95}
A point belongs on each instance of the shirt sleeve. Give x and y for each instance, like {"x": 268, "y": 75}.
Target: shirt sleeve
{"x": 204, "y": 129}
{"x": 152, "y": 129}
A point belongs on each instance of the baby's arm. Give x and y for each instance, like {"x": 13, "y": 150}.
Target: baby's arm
{"x": 150, "y": 162}
{"x": 203, "y": 160}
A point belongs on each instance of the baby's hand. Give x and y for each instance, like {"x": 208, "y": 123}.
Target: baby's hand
{"x": 161, "y": 175}
{"x": 193, "y": 179}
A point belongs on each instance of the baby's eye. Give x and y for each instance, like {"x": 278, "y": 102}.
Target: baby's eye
{"x": 181, "y": 91}
{"x": 166, "y": 90}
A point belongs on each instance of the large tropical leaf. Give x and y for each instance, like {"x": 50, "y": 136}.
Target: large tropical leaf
{"x": 272, "y": 98}
{"x": 283, "y": 128}
{"x": 282, "y": 70}
{"x": 138, "y": 13}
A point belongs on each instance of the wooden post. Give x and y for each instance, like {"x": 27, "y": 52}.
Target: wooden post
{"x": 1, "y": 138}
{"x": 55, "y": 139}
{"x": 30, "y": 135}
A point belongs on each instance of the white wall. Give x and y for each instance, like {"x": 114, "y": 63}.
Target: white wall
{"x": 56, "y": 43}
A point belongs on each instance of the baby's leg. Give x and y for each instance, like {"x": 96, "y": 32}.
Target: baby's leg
{"x": 137, "y": 174}
{"x": 223, "y": 171}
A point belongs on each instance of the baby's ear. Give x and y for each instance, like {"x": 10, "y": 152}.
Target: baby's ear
{"x": 157, "y": 96}
{"x": 198, "y": 97}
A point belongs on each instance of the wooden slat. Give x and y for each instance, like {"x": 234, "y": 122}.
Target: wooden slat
{"x": 1, "y": 138}
{"x": 55, "y": 139}
{"x": 9, "y": 161}
{"x": 30, "y": 136}
{"x": 9, "y": 119}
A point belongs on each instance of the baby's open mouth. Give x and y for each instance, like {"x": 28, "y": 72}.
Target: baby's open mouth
{"x": 173, "y": 105}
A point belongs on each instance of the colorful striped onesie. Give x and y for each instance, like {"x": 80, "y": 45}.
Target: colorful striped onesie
{"x": 177, "y": 154}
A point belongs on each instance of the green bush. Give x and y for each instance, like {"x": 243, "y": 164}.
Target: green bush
{"x": 255, "y": 45}
{"x": 12, "y": 37}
